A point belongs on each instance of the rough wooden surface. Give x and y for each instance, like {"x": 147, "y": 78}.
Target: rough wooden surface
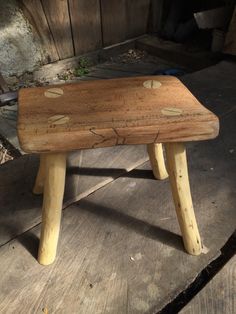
{"x": 104, "y": 70}
{"x": 55, "y": 20}
{"x": 140, "y": 67}
{"x": 138, "y": 13}
{"x": 58, "y": 18}
{"x": 120, "y": 248}
{"x": 150, "y": 109}
{"x": 219, "y": 296}
{"x": 86, "y": 25}
{"x": 50, "y": 71}
{"x": 87, "y": 171}
{"x": 114, "y": 21}
{"x": 107, "y": 73}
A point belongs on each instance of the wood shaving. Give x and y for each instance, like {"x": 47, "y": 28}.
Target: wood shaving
{"x": 4, "y": 155}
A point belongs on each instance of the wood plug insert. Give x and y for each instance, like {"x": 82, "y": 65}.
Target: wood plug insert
{"x": 53, "y": 92}
{"x": 152, "y": 84}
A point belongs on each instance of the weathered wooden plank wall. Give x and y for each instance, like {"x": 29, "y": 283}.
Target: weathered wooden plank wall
{"x": 73, "y": 27}
{"x": 86, "y": 25}
{"x": 58, "y": 17}
{"x": 137, "y": 17}
{"x": 114, "y": 21}
{"x": 34, "y": 12}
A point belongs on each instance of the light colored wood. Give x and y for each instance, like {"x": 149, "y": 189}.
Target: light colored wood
{"x": 155, "y": 152}
{"x": 52, "y": 207}
{"x": 138, "y": 13}
{"x": 178, "y": 172}
{"x": 112, "y": 112}
{"x": 39, "y": 182}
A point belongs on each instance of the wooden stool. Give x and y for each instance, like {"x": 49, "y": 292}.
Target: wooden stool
{"x": 54, "y": 120}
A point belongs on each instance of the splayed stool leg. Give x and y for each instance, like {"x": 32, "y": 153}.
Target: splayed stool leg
{"x": 179, "y": 180}
{"x": 52, "y": 206}
{"x": 155, "y": 152}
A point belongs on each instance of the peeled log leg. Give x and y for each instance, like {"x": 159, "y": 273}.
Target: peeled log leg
{"x": 52, "y": 206}
{"x": 155, "y": 152}
{"x": 178, "y": 173}
{"x": 39, "y": 182}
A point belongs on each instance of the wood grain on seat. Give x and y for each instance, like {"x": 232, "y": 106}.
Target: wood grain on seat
{"x": 140, "y": 110}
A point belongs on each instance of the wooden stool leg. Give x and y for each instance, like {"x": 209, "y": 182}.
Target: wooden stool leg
{"x": 178, "y": 172}
{"x": 39, "y": 182}
{"x": 155, "y": 152}
{"x": 52, "y": 206}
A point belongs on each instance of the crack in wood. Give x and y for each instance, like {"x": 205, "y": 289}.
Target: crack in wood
{"x": 155, "y": 140}
{"x": 93, "y": 132}
{"x": 119, "y": 138}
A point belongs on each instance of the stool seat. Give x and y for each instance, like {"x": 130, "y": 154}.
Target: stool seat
{"x": 90, "y": 114}
{"x": 152, "y": 110}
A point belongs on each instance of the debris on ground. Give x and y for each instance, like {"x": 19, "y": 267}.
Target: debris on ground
{"x": 24, "y": 80}
{"x": 131, "y": 56}
{"x": 4, "y": 154}
{"x": 82, "y": 69}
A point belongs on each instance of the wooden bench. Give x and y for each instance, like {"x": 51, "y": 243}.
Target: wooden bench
{"x": 54, "y": 120}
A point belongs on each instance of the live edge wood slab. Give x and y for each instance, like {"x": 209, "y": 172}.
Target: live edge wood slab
{"x": 142, "y": 110}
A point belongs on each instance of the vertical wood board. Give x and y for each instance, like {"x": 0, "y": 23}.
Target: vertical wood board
{"x": 137, "y": 17}
{"x": 156, "y": 15}
{"x": 58, "y": 18}
{"x": 114, "y": 21}
{"x": 86, "y": 25}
